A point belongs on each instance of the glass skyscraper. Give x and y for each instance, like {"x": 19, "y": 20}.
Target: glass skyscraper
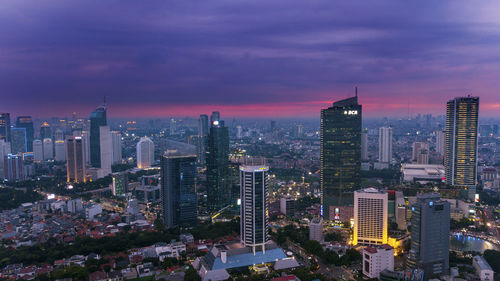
{"x": 340, "y": 154}
{"x": 27, "y": 123}
{"x": 178, "y": 189}
{"x": 202, "y": 138}
{"x": 97, "y": 119}
{"x": 430, "y": 235}
{"x": 18, "y": 142}
{"x": 5, "y": 126}
{"x": 217, "y": 158}
{"x": 461, "y": 142}
{"x": 45, "y": 131}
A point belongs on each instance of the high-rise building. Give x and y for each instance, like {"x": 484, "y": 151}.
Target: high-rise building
{"x": 13, "y": 167}
{"x": 18, "y": 140}
{"x": 173, "y": 126}
{"x": 106, "y": 150}
{"x": 340, "y": 154}
{"x": 364, "y": 146}
{"x": 202, "y": 133}
{"x": 441, "y": 142}
{"x": 377, "y": 259}
{"x": 116, "y": 138}
{"x": 75, "y": 164}
{"x": 370, "y": 217}
{"x": 178, "y": 189}
{"x": 58, "y": 135}
{"x": 461, "y": 142}
{"x": 97, "y": 119}
{"x": 253, "y": 211}
{"x": 145, "y": 151}
{"x": 4, "y": 151}
{"x": 217, "y": 158}
{"x": 239, "y": 132}
{"x": 48, "y": 149}
{"x": 38, "y": 150}
{"x": 60, "y": 150}
{"x": 430, "y": 235}
{"x": 5, "y": 126}
{"x": 385, "y": 144}
{"x": 27, "y": 123}
{"x": 45, "y": 131}
{"x": 287, "y": 206}
{"x": 420, "y": 153}
{"x": 120, "y": 183}
{"x": 316, "y": 229}
{"x": 215, "y": 117}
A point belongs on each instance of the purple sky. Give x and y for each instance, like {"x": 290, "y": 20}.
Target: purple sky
{"x": 246, "y": 58}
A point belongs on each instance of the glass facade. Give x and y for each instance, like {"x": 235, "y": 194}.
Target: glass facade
{"x": 18, "y": 140}
{"x": 5, "y": 126}
{"x": 27, "y": 123}
{"x": 217, "y": 158}
{"x": 97, "y": 119}
{"x": 340, "y": 153}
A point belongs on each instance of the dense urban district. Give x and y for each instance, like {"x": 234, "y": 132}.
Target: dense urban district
{"x": 338, "y": 198}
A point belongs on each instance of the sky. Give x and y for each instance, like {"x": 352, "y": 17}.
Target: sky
{"x": 280, "y": 58}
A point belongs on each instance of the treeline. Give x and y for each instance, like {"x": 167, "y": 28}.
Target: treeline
{"x": 11, "y": 198}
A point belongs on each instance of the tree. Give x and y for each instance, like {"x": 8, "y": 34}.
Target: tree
{"x": 191, "y": 275}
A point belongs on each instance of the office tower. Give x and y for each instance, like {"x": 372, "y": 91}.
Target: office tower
{"x": 75, "y": 164}
{"x": 117, "y": 147}
{"x": 58, "y": 135}
{"x": 340, "y": 154}
{"x": 45, "y": 131}
{"x": 18, "y": 140}
{"x": 106, "y": 149}
{"x": 173, "y": 126}
{"x": 48, "y": 149}
{"x": 5, "y": 126}
{"x": 420, "y": 153}
{"x": 13, "y": 167}
{"x": 385, "y": 144}
{"x": 27, "y": 123}
{"x": 97, "y": 119}
{"x": 215, "y": 117}
{"x": 377, "y": 259}
{"x": 38, "y": 150}
{"x": 461, "y": 142}
{"x": 178, "y": 189}
{"x": 60, "y": 149}
{"x": 145, "y": 153}
{"x": 253, "y": 210}
{"x": 4, "y": 150}
{"x": 217, "y": 158}
{"x": 316, "y": 229}
{"x": 440, "y": 142}
{"x": 239, "y": 132}
{"x": 430, "y": 235}
{"x": 370, "y": 217}
{"x": 298, "y": 130}
{"x": 287, "y": 206}
{"x": 364, "y": 146}
{"x": 86, "y": 145}
{"x": 120, "y": 183}
{"x": 202, "y": 133}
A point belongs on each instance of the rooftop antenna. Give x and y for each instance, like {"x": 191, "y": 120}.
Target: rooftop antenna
{"x": 356, "y": 91}
{"x": 104, "y": 101}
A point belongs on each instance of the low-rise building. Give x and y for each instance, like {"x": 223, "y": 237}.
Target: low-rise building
{"x": 483, "y": 269}
{"x": 376, "y": 259}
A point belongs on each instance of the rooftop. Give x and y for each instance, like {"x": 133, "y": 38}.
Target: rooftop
{"x": 482, "y": 263}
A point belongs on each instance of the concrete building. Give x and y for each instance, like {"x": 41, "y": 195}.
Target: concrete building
{"x": 377, "y": 259}
{"x": 422, "y": 173}
{"x": 440, "y": 142}
{"x": 483, "y": 269}
{"x": 75, "y": 164}
{"x": 92, "y": 211}
{"x": 74, "y": 205}
{"x": 106, "y": 150}
{"x": 60, "y": 149}
{"x": 38, "y": 150}
{"x": 370, "y": 217}
{"x": 13, "y": 167}
{"x": 48, "y": 149}
{"x": 116, "y": 139}
{"x": 385, "y": 144}
{"x": 119, "y": 186}
{"x": 364, "y": 146}
{"x": 145, "y": 153}
{"x": 420, "y": 153}
{"x": 316, "y": 229}
{"x": 287, "y": 206}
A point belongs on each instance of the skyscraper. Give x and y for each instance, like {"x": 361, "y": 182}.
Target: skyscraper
{"x": 420, "y": 153}
{"x": 13, "y": 167}
{"x": 97, "y": 119}
{"x": 106, "y": 150}
{"x": 145, "y": 151}
{"x": 340, "y": 154}
{"x": 48, "y": 149}
{"x": 215, "y": 117}
{"x": 370, "y": 217}
{"x": 5, "y": 126}
{"x": 364, "y": 146}
{"x": 18, "y": 140}
{"x": 4, "y": 150}
{"x": 430, "y": 235}
{"x": 60, "y": 150}
{"x": 217, "y": 157}
{"x": 38, "y": 150}
{"x": 461, "y": 142}
{"x": 45, "y": 131}
{"x": 178, "y": 189}
{"x": 116, "y": 138}
{"x": 385, "y": 144}
{"x": 253, "y": 211}
{"x": 120, "y": 183}
{"x": 202, "y": 133}
{"x": 58, "y": 135}
{"x": 75, "y": 163}
{"x": 27, "y": 123}
{"x": 441, "y": 142}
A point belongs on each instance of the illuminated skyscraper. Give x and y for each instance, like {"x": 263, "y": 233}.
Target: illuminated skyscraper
{"x": 5, "y": 126}
{"x": 75, "y": 163}
{"x": 461, "y": 142}
{"x": 370, "y": 217}
{"x": 340, "y": 154}
{"x": 97, "y": 119}
{"x": 217, "y": 157}
{"x": 120, "y": 183}
{"x": 385, "y": 144}
{"x": 45, "y": 131}
{"x": 253, "y": 211}
{"x": 27, "y": 123}
{"x": 145, "y": 151}
{"x": 178, "y": 189}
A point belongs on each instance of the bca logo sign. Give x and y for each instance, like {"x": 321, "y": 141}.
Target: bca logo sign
{"x": 350, "y": 112}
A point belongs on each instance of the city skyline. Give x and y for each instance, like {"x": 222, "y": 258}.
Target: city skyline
{"x": 167, "y": 59}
